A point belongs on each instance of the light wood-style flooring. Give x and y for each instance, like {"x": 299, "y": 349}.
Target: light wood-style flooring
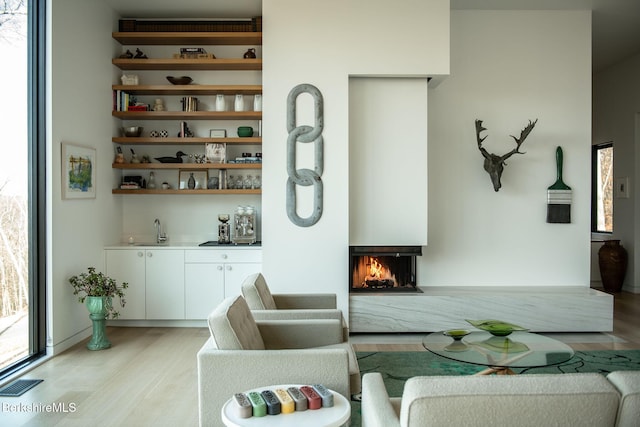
{"x": 149, "y": 376}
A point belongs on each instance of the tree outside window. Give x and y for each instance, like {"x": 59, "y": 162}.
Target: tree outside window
{"x": 602, "y": 192}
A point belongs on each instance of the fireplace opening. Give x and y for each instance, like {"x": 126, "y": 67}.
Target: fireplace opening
{"x": 383, "y": 268}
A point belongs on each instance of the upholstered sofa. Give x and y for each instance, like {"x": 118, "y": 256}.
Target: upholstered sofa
{"x": 584, "y": 399}
{"x": 243, "y": 353}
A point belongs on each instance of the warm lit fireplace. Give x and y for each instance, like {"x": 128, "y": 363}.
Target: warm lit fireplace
{"x": 383, "y": 268}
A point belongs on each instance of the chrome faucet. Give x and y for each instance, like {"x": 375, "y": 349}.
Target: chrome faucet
{"x": 160, "y": 236}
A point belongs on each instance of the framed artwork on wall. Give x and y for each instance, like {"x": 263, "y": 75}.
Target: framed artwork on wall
{"x": 78, "y": 171}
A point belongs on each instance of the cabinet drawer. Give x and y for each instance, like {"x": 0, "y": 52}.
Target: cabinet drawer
{"x": 222, "y": 255}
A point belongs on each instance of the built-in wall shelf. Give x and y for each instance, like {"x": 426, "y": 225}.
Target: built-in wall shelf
{"x": 185, "y": 191}
{"x": 188, "y": 115}
{"x": 190, "y": 89}
{"x": 186, "y": 166}
{"x": 188, "y": 38}
{"x": 141, "y": 140}
{"x": 206, "y": 62}
{"x": 238, "y": 64}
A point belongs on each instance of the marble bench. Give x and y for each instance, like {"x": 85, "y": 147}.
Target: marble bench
{"x": 541, "y": 308}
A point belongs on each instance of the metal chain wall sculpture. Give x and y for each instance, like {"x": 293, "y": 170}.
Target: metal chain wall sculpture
{"x": 305, "y": 134}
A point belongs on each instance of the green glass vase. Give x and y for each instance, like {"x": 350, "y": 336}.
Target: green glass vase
{"x": 98, "y": 309}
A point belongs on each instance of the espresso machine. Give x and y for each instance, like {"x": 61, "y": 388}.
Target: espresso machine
{"x": 244, "y": 225}
{"x": 224, "y": 229}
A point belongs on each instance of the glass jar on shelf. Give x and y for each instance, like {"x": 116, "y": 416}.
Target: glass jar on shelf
{"x": 239, "y": 183}
{"x": 231, "y": 182}
{"x": 248, "y": 182}
{"x": 257, "y": 182}
{"x": 151, "y": 184}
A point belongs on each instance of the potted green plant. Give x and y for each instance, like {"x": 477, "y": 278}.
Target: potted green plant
{"x": 97, "y": 291}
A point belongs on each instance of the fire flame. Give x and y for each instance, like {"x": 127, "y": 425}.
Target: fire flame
{"x": 378, "y": 271}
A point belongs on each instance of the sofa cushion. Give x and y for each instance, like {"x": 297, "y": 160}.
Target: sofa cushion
{"x": 507, "y": 400}
{"x": 233, "y": 327}
{"x": 257, "y": 294}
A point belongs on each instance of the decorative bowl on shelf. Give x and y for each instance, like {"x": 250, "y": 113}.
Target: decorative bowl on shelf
{"x": 182, "y": 80}
{"x": 496, "y": 327}
{"x": 132, "y": 131}
{"x": 245, "y": 131}
{"x": 456, "y": 334}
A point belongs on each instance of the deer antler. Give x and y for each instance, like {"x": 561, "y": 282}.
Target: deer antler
{"x": 523, "y": 135}
{"x": 480, "y": 128}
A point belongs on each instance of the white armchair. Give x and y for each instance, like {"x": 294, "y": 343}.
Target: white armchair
{"x": 268, "y": 306}
{"x": 243, "y": 353}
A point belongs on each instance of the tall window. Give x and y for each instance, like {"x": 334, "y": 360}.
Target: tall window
{"x": 602, "y": 191}
{"x": 22, "y": 186}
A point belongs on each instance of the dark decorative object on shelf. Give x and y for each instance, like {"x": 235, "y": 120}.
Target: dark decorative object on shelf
{"x": 612, "y": 259}
{"x": 494, "y": 164}
{"x": 140, "y": 54}
{"x": 182, "y": 80}
{"x": 126, "y": 55}
{"x": 250, "y": 53}
{"x": 176, "y": 159}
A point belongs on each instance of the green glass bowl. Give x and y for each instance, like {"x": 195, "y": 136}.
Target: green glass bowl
{"x": 496, "y": 327}
{"x": 456, "y": 334}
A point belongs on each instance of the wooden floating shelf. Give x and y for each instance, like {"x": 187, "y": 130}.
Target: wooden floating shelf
{"x": 141, "y": 140}
{"x": 174, "y": 191}
{"x": 238, "y": 64}
{"x": 188, "y": 115}
{"x": 187, "y": 38}
{"x": 190, "y": 89}
{"x": 187, "y": 166}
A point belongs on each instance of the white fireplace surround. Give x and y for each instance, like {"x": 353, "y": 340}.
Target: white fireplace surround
{"x": 540, "y": 309}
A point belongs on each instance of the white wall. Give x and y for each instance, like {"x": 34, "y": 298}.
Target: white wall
{"x": 79, "y": 76}
{"x": 509, "y": 67}
{"x": 616, "y": 117}
{"x": 323, "y": 43}
{"x": 387, "y": 161}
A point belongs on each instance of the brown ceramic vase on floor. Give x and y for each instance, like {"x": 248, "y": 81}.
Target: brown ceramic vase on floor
{"x": 612, "y": 258}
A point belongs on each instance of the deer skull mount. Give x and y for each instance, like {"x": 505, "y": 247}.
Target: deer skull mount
{"x": 494, "y": 164}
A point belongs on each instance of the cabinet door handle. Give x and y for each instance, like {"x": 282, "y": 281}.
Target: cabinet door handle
{"x": 149, "y": 254}
{"x": 219, "y": 268}
{"x": 140, "y": 254}
{"x": 228, "y": 268}
{"x": 224, "y": 256}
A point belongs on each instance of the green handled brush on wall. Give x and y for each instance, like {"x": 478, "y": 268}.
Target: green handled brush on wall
{"x": 559, "y": 197}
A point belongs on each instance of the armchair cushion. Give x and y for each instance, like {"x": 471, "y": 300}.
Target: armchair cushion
{"x": 233, "y": 327}
{"x": 287, "y": 334}
{"x": 257, "y": 293}
{"x": 315, "y": 301}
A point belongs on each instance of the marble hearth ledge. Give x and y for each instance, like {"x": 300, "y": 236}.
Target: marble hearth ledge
{"x": 541, "y": 309}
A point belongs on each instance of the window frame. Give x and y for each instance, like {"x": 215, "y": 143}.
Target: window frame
{"x": 595, "y": 148}
{"x": 37, "y": 152}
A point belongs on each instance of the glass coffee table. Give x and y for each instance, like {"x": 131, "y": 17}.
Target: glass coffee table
{"x": 499, "y": 353}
